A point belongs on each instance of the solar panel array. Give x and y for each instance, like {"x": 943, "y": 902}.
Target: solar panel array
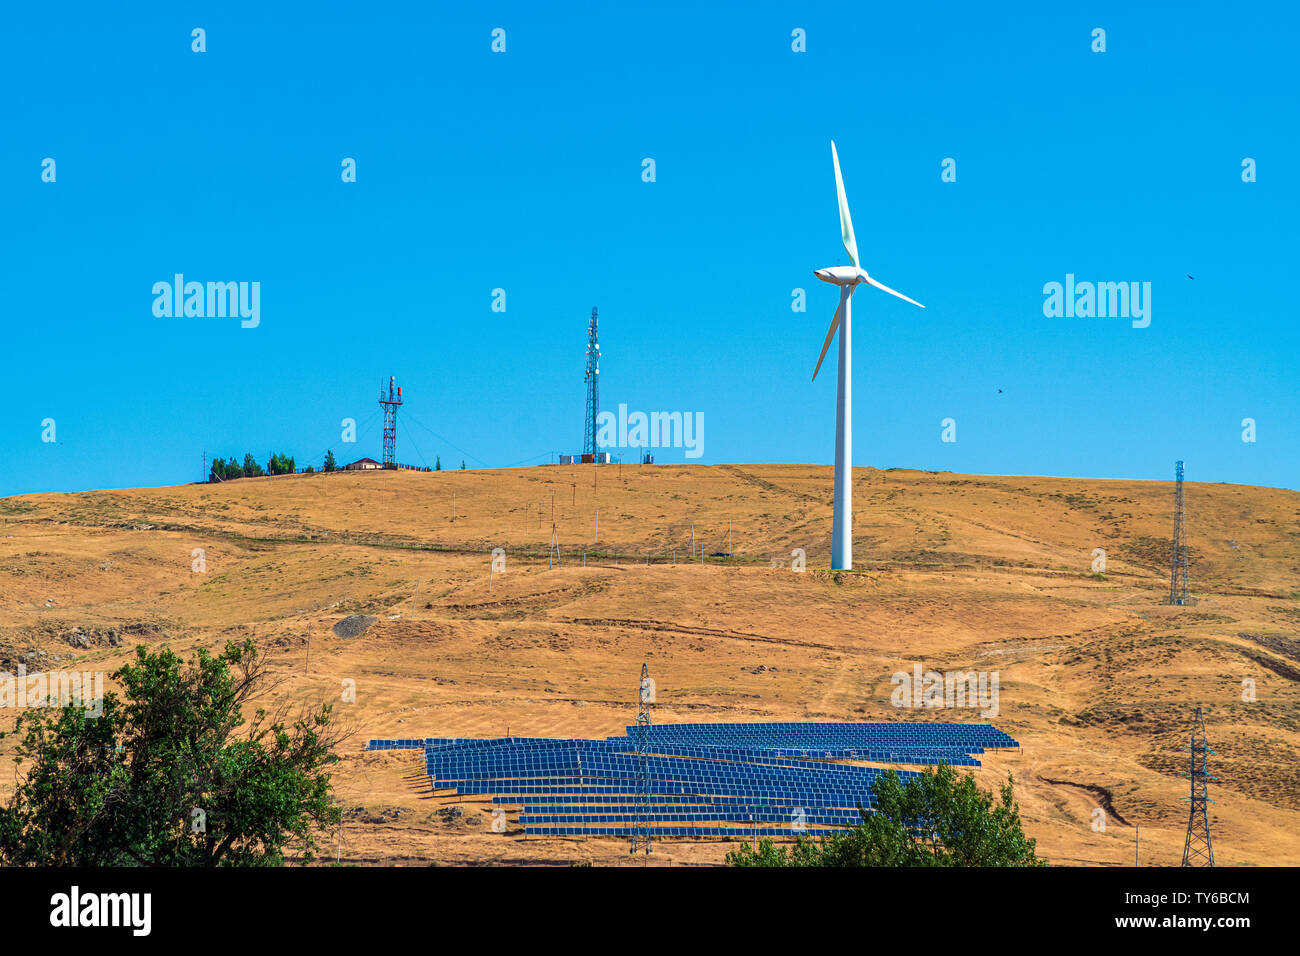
{"x": 737, "y": 780}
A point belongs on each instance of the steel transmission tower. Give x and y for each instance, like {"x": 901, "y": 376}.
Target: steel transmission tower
{"x": 641, "y": 822}
{"x": 592, "y": 378}
{"x": 1197, "y": 849}
{"x": 1178, "y": 576}
{"x": 389, "y": 404}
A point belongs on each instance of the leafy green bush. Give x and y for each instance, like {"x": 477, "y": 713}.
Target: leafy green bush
{"x": 171, "y": 774}
{"x": 935, "y": 819}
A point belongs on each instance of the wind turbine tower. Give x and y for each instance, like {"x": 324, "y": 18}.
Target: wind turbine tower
{"x": 847, "y": 278}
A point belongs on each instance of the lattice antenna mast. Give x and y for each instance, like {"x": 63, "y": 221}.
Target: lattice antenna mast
{"x": 1178, "y": 575}
{"x": 641, "y": 822}
{"x": 1197, "y": 849}
{"x": 592, "y": 378}
{"x": 389, "y": 402}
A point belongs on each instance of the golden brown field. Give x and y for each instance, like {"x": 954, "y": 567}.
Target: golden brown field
{"x": 1098, "y": 678}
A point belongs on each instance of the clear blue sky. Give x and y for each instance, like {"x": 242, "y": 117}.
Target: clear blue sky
{"x": 523, "y": 170}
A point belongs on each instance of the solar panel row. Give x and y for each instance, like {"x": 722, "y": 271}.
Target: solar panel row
{"x": 659, "y": 832}
{"x": 843, "y": 818}
{"x": 739, "y": 778}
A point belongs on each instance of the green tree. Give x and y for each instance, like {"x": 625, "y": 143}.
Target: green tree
{"x": 251, "y": 468}
{"x": 437, "y": 463}
{"x": 462, "y": 464}
{"x": 330, "y": 463}
{"x": 934, "y": 819}
{"x": 171, "y": 773}
{"x": 281, "y": 465}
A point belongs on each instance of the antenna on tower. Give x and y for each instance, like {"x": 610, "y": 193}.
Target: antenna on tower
{"x": 592, "y": 378}
{"x": 1178, "y": 575}
{"x": 389, "y": 404}
{"x": 1197, "y": 850}
{"x": 641, "y": 818}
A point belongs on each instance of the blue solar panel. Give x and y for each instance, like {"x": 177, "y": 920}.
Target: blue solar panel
{"x": 705, "y": 780}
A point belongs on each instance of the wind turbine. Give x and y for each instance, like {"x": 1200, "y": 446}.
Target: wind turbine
{"x": 847, "y": 278}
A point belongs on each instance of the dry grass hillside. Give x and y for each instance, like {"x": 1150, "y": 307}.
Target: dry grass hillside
{"x": 1098, "y": 678}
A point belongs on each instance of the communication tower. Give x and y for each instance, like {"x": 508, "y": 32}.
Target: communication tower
{"x": 1178, "y": 575}
{"x": 389, "y": 402}
{"x": 592, "y": 378}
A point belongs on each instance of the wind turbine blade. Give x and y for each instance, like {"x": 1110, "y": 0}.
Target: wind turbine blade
{"x": 835, "y": 324}
{"x": 884, "y": 288}
{"x": 846, "y": 223}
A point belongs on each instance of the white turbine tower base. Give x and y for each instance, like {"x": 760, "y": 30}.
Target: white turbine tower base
{"x": 842, "y": 523}
{"x": 847, "y": 278}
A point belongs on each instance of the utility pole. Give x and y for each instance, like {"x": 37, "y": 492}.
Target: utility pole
{"x": 554, "y": 551}
{"x": 641, "y": 831}
{"x": 1197, "y": 849}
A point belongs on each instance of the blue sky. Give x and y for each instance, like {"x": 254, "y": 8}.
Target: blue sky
{"x": 523, "y": 171}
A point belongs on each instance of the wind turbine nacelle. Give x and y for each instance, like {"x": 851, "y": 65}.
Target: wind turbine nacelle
{"x": 842, "y": 275}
